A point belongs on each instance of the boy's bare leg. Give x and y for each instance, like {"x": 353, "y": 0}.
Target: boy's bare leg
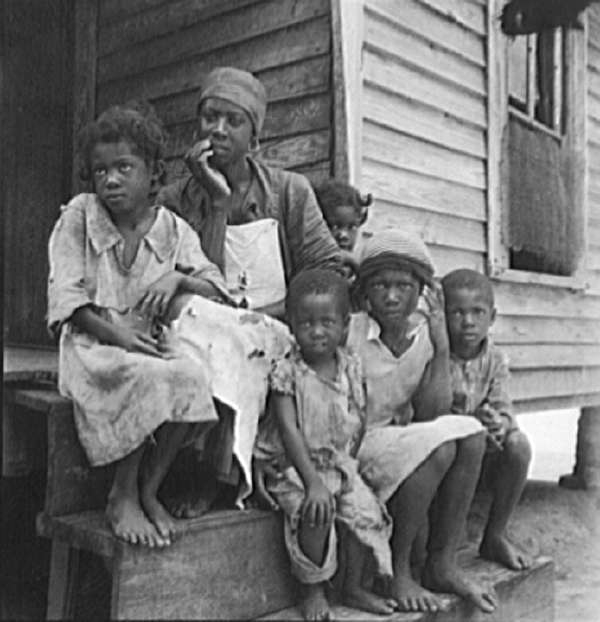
{"x": 169, "y": 438}
{"x": 409, "y": 506}
{"x": 508, "y": 483}
{"x": 455, "y": 494}
{"x": 123, "y": 510}
{"x": 313, "y": 542}
{"x": 355, "y": 593}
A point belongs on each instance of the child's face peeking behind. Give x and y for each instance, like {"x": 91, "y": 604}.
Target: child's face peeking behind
{"x": 343, "y": 222}
{"x": 122, "y": 179}
{"x": 319, "y": 326}
{"x": 393, "y": 295}
{"x": 469, "y": 316}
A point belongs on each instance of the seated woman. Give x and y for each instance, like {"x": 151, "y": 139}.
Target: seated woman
{"x": 260, "y": 226}
{"x": 410, "y": 454}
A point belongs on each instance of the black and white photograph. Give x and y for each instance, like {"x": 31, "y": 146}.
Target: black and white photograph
{"x": 221, "y": 217}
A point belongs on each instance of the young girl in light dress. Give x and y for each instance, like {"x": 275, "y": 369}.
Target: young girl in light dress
{"x": 117, "y": 260}
{"x": 413, "y": 451}
{"x": 319, "y": 405}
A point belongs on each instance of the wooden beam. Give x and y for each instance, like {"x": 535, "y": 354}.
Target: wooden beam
{"x": 340, "y": 167}
{"x": 84, "y": 73}
{"x": 575, "y": 113}
{"x": 497, "y": 111}
{"x": 347, "y": 19}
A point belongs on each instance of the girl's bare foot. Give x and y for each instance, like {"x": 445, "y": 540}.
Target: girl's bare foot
{"x": 445, "y": 576}
{"x": 500, "y": 549}
{"x": 197, "y": 502}
{"x": 313, "y": 603}
{"x": 359, "y": 598}
{"x": 129, "y": 523}
{"x": 165, "y": 524}
{"x": 411, "y": 596}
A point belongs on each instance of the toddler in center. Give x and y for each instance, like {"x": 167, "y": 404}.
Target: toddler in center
{"x": 319, "y": 405}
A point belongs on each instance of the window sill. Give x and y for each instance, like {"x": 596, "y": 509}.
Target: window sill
{"x": 573, "y": 283}
{"x": 535, "y": 124}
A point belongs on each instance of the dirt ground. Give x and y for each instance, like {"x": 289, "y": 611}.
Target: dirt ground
{"x": 564, "y": 524}
{"x": 561, "y": 523}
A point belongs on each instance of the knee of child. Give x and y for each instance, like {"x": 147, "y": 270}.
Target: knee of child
{"x": 444, "y": 455}
{"x": 517, "y": 446}
{"x": 473, "y": 445}
{"x": 317, "y": 529}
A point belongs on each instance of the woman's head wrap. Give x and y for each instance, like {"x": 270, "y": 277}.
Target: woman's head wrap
{"x": 395, "y": 249}
{"x": 237, "y": 87}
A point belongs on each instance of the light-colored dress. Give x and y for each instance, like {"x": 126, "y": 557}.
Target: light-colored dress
{"x": 121, "y": 397}
{"x": 394, "y": 446}
{"x": 237, "y": 348}
{"x": 331, "y": 416}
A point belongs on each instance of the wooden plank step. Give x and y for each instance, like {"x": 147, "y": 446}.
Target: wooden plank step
{"x": 526, "y": 596}
{"x": 29, "y": 364}
{"x": 40, "y": 400}
{"x": 224, "y": 565}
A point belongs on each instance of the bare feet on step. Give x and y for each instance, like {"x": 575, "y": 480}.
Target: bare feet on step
{"x": 443, "y": 576}
{"x": 411, "y": 596}
{"x": 501, "y": 550}
{"x": 128, "y": 522}
{"x": 165, "y": 524}
{"x": 195, "y": 503}
{"x": 362, "y": 599}
{"x": 313, "y": 603}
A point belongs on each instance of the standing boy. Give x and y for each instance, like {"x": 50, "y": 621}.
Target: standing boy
{"x": 479, "y": 372}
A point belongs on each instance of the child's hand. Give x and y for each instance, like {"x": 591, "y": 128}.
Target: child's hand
{"x": 262, "y": 471}
{"x": 434, "y": 299}
{"x": 493, "y": 421}
{"x": 137, "y": 341}
{"x": 196, "y": 160}
{"x": 155, "y": 302}
{"x": 317, "y": 509}
{"x": 349, "y": 265}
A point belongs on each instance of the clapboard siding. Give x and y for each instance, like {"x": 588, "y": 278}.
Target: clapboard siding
{"x": 424, "y": 157}
{"x": 593, "y": 139}
{"x": 161, "y": 51}
{"x": 424, "y": 124}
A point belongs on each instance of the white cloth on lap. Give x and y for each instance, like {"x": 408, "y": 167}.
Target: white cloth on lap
{"x": 237, "y": 348}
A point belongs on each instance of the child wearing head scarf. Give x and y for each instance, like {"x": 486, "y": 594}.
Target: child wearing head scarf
{"x": 410, "y": 454}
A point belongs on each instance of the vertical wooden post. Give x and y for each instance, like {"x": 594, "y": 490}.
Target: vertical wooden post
{"x": 84, "y": 74}
{"x": 347, "y": 36}
{"x": 587, "y": 465}
{"x": 63, "y": 581}
{"x": 497, "y": 112}
{"x": 586, "y": 473}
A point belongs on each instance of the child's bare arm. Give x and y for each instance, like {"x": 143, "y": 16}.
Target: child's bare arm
{"x": 318, "y": 502}
{"x": 86, "y": 319}
{"x": 155, "y": 302}
{"x": 434, "y": 395}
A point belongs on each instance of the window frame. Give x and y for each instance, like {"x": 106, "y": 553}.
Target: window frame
{"x": 573, "y": 136}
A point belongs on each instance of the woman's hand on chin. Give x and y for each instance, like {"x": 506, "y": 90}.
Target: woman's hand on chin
{"x": 196, "y": 159}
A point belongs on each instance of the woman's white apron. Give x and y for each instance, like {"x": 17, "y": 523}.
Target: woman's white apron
{"x": 253, "y": 265}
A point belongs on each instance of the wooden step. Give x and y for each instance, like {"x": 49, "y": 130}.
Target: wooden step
{"x": 224, "y": 565}
{"x": 526, "y": 596}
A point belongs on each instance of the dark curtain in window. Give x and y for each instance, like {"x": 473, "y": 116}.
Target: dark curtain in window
{"x": 543, "y": 220}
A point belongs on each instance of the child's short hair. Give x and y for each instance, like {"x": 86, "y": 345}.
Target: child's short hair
{"x": 135, "y": 122}
{"x": 318, "y": 281}
{"x": 469, "y": 279}
{"x": 333, "y": 193}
